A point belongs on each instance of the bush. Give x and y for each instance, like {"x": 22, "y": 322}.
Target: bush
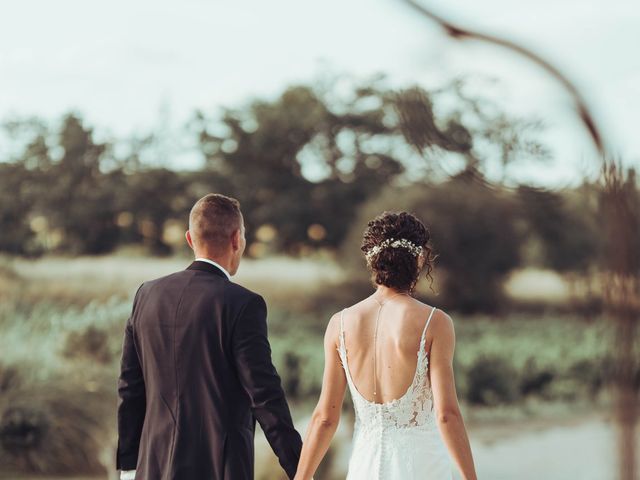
{"x": 475, "y": 232}
{"x": 10, "y": 379}
{"x": 491, "y": 381}
{"x": 299, "y": 358}
{"x": 91, "y": 343}
{"x": 53, "y": 429}
{"x": 595, "y": 373}
{"x": 535, "y": 379}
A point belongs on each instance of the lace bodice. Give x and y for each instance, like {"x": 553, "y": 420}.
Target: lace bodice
{"x": 413, "y": 410}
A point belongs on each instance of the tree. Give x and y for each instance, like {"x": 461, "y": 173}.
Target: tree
{"x": 474, "y": 232}
{"x": 150, "y": 198}
{"x": 301, "y": 164}
{"x": 304, "y": 163}
{"x": 268, "y": 150}
{"x": 476, "y": 235}
{"x": 16, "y": 201}
{"x": 80, "y": 197}
{"x": 569, "y": 237}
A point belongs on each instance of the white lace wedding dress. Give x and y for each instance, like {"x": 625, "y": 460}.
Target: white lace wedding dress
{"x": 397, "y": 440}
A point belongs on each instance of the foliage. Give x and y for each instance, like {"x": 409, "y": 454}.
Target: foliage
{"x": 301, "y": 164}
{"x": 474, "y": 232}
{"x": 570, "y": 237}
{"x": 52, "y": 428}
{"x": 477, "y": 237}
{"x": 16, "y": 199}
{"x": 92, "y": 343}
{"x": 490, "y": 381}
{"x": 553, "y": 358}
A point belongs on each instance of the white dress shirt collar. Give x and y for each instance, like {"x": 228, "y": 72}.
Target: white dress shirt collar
{"x": 224, "y": 270}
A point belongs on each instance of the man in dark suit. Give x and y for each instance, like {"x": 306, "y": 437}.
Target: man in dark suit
{"x": 196, "y": 367}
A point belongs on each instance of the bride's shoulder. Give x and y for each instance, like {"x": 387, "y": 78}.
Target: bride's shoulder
{"x": 441, "y": 320}
{"x": 332, "y": 331}
{"x": 442, "y": 325}
{"x": 342, "y": 314}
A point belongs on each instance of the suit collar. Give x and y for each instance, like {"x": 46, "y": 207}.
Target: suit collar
{"x": 215, "y": 264}
{"x": 207, "y": 267}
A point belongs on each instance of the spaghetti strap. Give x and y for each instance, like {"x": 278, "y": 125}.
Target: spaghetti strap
{"x": 422, "y": 338}
{"x": 342, "y": 347}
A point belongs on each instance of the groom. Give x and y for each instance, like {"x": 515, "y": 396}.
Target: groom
{"x": 196, "y": 366}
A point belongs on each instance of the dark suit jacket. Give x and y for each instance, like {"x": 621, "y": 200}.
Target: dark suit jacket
{"x": 196, "y": 372}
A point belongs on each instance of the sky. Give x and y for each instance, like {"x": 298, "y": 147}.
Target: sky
{"x": 121, "y": 63}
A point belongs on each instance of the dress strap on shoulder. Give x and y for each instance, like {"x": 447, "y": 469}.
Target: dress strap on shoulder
{"x": 427, "y": 324}
{"x": 342, "y": 326}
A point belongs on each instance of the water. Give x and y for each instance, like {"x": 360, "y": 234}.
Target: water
{"x": 582, "y": 451}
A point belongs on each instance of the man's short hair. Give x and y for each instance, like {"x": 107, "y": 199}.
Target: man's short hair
{"x": 213, "y": 219}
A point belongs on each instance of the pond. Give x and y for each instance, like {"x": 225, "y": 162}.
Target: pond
{"x": 584, "y": 449}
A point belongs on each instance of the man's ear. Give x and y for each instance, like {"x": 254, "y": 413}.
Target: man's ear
{"x": 235, "y": 239}
{"x": 187, "y": 235}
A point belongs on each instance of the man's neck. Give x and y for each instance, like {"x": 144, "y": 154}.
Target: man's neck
{"x": 224, "y": 266}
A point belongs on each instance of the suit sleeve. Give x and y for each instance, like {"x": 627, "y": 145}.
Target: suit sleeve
{"x": 260, "y": 380}
{"x": 131, "y": 400}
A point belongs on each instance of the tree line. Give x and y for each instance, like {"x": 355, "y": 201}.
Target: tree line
{"x": 308, "y": 167}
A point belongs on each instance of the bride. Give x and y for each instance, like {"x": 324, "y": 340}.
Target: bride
{"x": 395, "y": 355}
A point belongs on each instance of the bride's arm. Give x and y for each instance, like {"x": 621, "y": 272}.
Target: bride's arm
{"x": 326, "y": 415}
{"x": 445, "y": 397}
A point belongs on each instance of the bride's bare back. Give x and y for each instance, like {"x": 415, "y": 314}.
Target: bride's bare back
{"x": 397, "y": 362}
{"x": 384, "y": 372}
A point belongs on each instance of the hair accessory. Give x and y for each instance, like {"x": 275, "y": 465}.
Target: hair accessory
{"x": 394, "y": 243}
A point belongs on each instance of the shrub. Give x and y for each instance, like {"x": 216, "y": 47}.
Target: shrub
{"x": 491, "y": 381}
{"x": 299, "y": 358}
{"x": 10, "y": 379}
{"x": 535, "y": 379}
{"x": 92, "y": 343}
{"x": 475, "y": 234}
{"x": 53, "y": 429}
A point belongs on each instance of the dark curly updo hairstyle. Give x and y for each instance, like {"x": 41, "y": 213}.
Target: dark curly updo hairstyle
{"x": 397, "y": 268}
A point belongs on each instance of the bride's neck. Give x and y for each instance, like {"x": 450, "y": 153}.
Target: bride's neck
{"x": 382, "y": 292}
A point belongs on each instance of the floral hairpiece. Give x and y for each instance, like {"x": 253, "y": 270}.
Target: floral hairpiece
{"x": 394, "y": 243}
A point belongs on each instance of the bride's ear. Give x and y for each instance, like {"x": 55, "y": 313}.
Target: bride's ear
{"x": 421, "y": 260}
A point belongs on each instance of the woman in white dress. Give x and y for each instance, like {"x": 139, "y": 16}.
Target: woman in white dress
{"x": 395, "y": 354}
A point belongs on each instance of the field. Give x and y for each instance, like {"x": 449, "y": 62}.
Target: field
{"x": 61, "y": 324}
